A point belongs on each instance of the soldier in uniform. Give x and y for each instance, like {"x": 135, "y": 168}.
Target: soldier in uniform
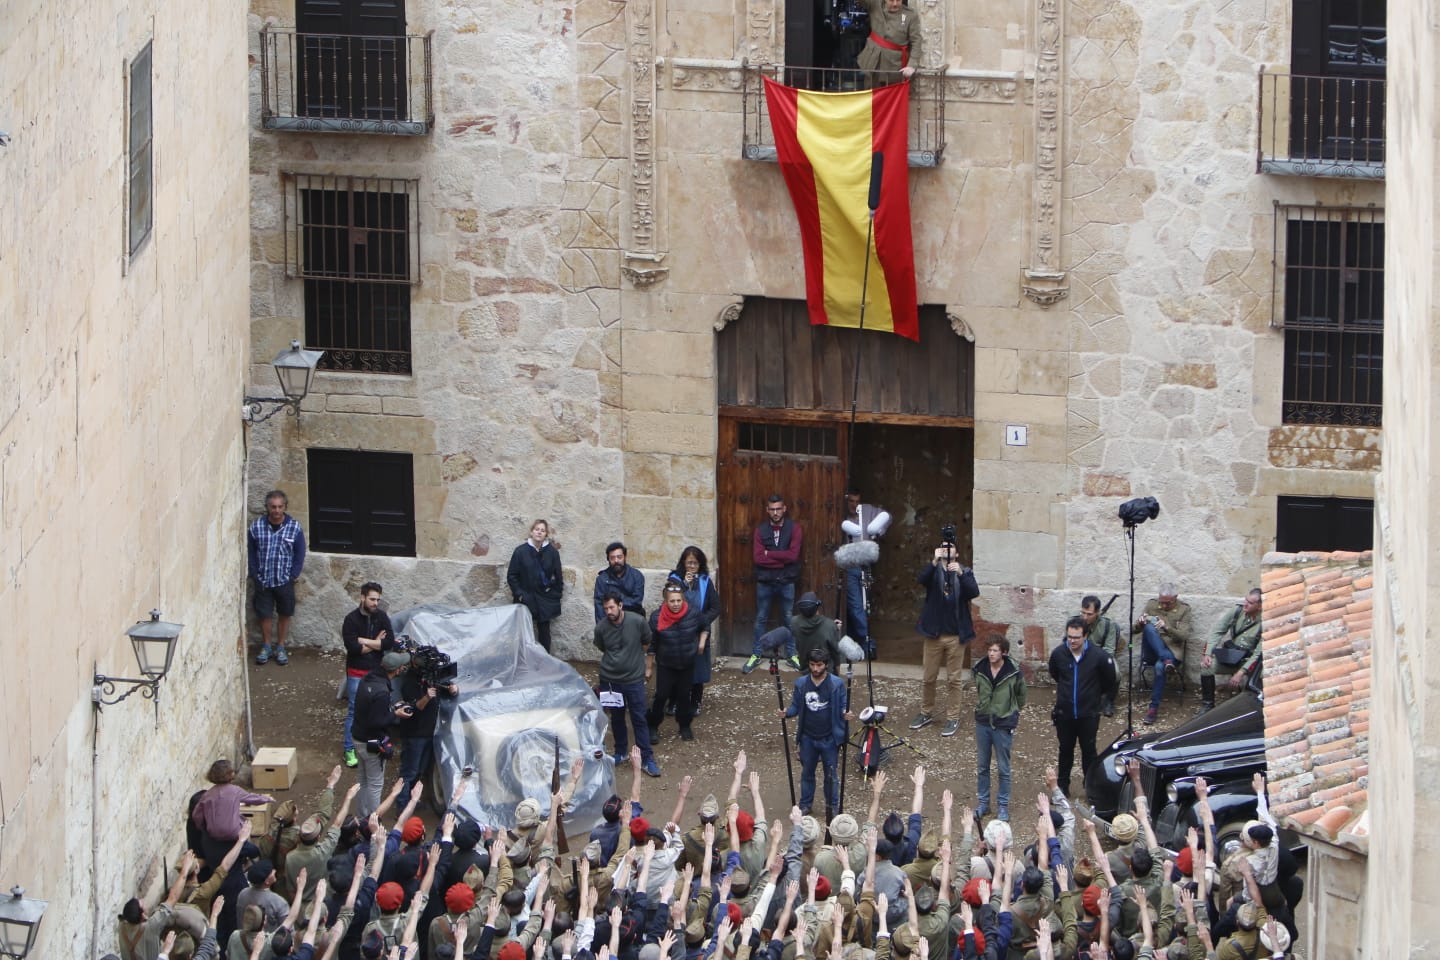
{"x": 1234, "y": 646}
{"x": 893, "y": 48}
{"x": 1101, "y": 631}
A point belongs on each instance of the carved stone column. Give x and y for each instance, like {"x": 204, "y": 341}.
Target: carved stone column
{"x": 642, "y": 254}
{"x": 761, "y": 16}
{"x": 1044, "y": 280}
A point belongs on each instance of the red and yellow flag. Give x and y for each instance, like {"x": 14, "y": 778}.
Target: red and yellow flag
{"x": 825, "y": 143}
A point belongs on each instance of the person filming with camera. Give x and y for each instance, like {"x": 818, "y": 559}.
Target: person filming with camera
{"x": 945, "y": 623}
{"x": 422, "y": 690}
{"x": 377, "y": 710}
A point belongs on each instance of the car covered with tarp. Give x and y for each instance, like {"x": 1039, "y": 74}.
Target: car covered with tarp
{"x": 519, "y": 710}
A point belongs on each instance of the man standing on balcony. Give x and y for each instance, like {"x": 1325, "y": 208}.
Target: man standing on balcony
{"x": 893, "y": 48}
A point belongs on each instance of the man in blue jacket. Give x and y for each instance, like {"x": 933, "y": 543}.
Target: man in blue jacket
{"x": 819, "y": 700}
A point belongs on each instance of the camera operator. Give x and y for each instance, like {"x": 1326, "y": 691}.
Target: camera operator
{"x": 416, "y": 733}
{"x": 376, "y": 711}
{"x": 945, "y": 623}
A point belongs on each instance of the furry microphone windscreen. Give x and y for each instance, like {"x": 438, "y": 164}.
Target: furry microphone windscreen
{"x": 862, "y": 553}
{"x": 850, "y": 650}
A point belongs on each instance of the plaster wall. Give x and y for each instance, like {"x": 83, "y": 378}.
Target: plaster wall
{"x": 1405, "y": 738}
{"x": 121, "y": 452}
{"x": 588, "y": 222}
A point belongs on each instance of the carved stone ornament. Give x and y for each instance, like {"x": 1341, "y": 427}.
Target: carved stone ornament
{"x": 960, "y": 327}
{"x": 641, "y": 224}
{"x": 725, "y": 76}
{"x": 729, "y": 314}
{"x": 644, "y": 277}
{"x": 1046, "y": 289}
{"x": 760, "y": 17}
{"x": 981, "y": 87}
{"x": 1044, "y": 279}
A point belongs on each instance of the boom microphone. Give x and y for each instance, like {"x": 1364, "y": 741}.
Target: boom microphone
{"x": 850, "y": 650}
{"x": 861, "y": 553}
{"x": 877, "y": 165}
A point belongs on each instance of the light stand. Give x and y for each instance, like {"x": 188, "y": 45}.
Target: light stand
{"x": 1132, "y": 513}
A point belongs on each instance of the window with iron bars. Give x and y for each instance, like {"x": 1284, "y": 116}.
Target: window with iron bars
{"x": 1331, "y": 306}
{"x": 355, "y": 241}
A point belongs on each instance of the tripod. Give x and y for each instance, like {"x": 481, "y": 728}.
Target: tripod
{"x": 872, "y": 745}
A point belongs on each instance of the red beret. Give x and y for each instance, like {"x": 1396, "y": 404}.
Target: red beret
{"x": 822, "y": 888}
{"x": 744, "y": 826}
{"x": 459, "y": 898}
{"x": 639, "y": 827}
{"x": 971, "y": 893}
{"x": 979, "y": 942}
{"x": 1184, "y": 860}
{"x": 512, "y": 951}
{"x": 390, "y": 896}
{"x": 414, "y": 830}
{"x": 733, "y": 911}
{"x": 1091, "y": 899}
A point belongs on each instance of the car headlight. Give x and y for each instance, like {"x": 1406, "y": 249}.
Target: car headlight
{"x": 1121, "y": 766}
{"x": 1171, "y": 794}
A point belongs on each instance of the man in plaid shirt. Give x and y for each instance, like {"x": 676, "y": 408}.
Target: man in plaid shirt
{"x": 277, "y": 555}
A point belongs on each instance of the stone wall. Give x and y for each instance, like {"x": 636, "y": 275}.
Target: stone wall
{"x": 121, "y": 452}
{"x": 1405, "y": 725}
{"x": 1096, "y": 225}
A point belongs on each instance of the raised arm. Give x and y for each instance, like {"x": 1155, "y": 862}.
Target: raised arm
{"x": 755, "y": 795}
{"x": 739, "y": 773}
{"x": 294, "y": 913}
{"x": 681, "y": 794}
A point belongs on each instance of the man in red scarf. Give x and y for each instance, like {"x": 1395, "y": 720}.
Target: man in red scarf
{"x": 678, "y": 636}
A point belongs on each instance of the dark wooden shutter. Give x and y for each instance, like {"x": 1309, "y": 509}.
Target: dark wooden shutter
{"x": 353, "y": 58}
{"x": 1324, "y": 524}
{"x": 362, "y": 502}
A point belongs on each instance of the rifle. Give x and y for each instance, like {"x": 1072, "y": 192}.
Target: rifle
{"x": 562, "y": 842}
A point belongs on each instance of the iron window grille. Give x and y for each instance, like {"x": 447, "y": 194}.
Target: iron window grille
{"x": 355, "y": 241}
{"x": 760, "y": 437}
{"x": 1328, "y": 297}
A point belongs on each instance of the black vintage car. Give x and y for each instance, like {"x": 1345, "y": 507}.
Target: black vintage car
{"x": 1226, "y": 746}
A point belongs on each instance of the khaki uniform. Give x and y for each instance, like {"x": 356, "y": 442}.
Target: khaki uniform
{"x": 1236, "y": 630}
{"x": 901, "y": 28}
{"x": 1177, "y": 630}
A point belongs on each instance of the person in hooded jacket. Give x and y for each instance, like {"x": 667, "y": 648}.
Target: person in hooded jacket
{"x": 999, "y": 698}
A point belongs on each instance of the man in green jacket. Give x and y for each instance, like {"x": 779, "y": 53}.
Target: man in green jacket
{"x": 1000, "y": 695}
{"x": 1236, "y": 639}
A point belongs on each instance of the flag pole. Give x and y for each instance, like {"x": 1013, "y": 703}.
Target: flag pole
{"x": 877, "y": 165}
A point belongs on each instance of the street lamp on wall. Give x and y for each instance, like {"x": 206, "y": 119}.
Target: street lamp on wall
{"x": 19, "y": 923}
{"x": 154, "y": 643}
{"x": 295, "y": 369}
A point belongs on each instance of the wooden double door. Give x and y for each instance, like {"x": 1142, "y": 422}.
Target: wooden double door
{"x": 803, "y": 460}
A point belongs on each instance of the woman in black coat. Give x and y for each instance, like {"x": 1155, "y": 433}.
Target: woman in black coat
{"x": 535, "y": 579}
{"x": 693, "y": 573}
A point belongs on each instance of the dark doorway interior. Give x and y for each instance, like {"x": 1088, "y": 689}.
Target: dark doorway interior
{"x": 925, "y": 477}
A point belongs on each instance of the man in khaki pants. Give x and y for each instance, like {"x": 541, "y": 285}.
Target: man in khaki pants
{"x": 945, "y": 623}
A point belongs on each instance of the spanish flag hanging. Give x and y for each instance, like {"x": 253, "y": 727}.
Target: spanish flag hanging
{"x": 825, "y": 143}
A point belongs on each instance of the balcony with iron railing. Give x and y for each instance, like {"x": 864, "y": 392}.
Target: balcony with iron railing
{"x": 330, "y": 83}
{"x": 927, "y": 107}
{"x": 1314, "y": 126}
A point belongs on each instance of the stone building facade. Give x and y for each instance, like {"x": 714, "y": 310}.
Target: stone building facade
{"x": 1097, "y": 229}
{"x": 1399, "y": 920}
{"x": 123, "y": 304}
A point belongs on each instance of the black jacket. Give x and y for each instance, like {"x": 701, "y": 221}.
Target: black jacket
{"x": 1080, "y": 684}
{"x": 535, "y": 579}
{"x": 677, "y": 646}
{"x": 374, "y": 715}
{"x": 357, "y": 624}
{"x": 422, "y": 724}
{"x": 947, "y": 602}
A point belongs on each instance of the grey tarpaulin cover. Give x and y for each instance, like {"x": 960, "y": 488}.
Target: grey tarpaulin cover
{"x": 516, "y": 701}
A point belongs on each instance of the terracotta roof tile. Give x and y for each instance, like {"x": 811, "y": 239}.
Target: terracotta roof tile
{"x": 1316, "y": 642}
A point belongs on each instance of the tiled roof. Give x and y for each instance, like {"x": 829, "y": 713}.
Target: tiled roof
{"x": 1317, "y": 612}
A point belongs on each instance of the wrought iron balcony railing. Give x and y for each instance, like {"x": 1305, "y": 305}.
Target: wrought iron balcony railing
{"x": 321, "y": 83}
{"x": 1314, "y": 126}
{"x": 927, "y": 107}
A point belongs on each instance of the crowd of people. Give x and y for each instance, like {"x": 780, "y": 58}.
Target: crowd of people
{"x": 895, "y": 884}
{"x": 648, "y": 884}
